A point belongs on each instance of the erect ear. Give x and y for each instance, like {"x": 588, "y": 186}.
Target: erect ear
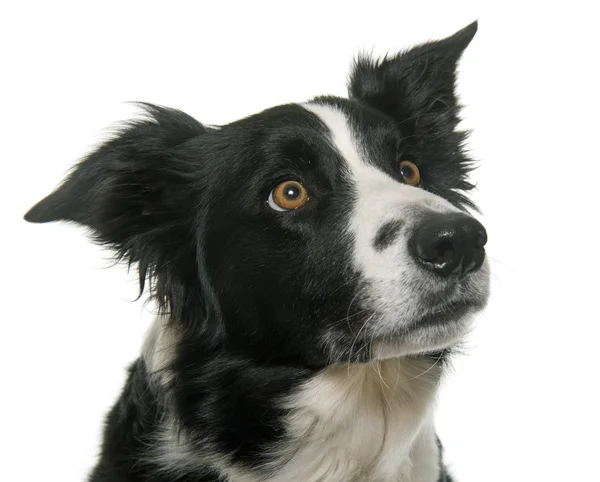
{"x": 134, "y": 191}
{"x": 415, "y": 87}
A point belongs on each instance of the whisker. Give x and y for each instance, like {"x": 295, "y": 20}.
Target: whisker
{"x": 426, "y": 371}
{"x": 382, "y": 383}
{"x": 356, "y": 339}
{"x": 497, "y": 261}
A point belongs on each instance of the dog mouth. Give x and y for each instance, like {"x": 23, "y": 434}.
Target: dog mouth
{"x": 440, "y": 316}
{"x": 446, "y": 313}
{"x": 438, "y": 328}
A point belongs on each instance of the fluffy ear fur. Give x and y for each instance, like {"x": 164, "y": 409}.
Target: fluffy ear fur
{"x": 136, "y": 195}
{"x": 415, "y": 87}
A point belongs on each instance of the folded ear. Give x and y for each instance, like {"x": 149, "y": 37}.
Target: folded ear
{"x": 415, "y": 87}
{"x": 134, "y": 191}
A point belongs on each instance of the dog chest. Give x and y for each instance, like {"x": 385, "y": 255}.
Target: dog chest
{"x": 362, "y": 423}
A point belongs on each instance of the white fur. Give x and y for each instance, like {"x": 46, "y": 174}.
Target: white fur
{"x": 364, "y": 423}
{"x": 157, "y": 350}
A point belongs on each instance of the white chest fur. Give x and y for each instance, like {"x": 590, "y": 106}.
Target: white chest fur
{"x": 363, "y": 423}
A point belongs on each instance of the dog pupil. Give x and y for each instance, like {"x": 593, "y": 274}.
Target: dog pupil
{"x": 292, "y": 192}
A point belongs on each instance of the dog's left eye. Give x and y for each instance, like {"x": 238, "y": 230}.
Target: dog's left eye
{"x": 410, "y": 173}
{"x": 287, "y": 196}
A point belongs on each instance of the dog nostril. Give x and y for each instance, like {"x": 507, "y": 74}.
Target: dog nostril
{"x": 445, "y": 252}
{"x": 437, "y": 252}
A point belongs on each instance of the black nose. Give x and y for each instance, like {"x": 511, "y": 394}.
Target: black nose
{"x": 449, "y": 244}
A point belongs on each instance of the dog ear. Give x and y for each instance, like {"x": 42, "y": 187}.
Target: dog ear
{"x": 415, "y": 87}
{"x": 135, "y": 192}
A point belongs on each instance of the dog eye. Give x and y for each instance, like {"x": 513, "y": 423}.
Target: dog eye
{"x": 287, "y": 196}
{"x": 410, "y": 173}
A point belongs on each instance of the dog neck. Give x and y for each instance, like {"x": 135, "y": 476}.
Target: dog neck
{"x": 369, "y": 422}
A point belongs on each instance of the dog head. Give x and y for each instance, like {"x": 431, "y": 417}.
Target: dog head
{"x": 330, "y": 231}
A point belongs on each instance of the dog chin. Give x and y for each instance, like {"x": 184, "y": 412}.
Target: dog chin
{"x": 424, "y": 338}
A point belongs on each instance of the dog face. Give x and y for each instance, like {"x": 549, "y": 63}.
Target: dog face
{"x": 330, "y": 231}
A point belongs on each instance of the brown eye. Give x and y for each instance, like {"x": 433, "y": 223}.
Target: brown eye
{"x": 410, "y": 173}
{"x": 287, "y": 196}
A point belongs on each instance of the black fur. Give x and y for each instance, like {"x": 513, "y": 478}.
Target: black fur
{"x": 417, "y": 89}
{"x": 387, "y": 234}
{"x": 251, "y": 293}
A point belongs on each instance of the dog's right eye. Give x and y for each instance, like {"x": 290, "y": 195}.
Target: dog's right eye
{"x": 287, "y": 196}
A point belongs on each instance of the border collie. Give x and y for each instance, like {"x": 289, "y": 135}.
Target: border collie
{"x": 314, "y": 265}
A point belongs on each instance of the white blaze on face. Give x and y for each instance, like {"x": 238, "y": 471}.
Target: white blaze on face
{"x": 393, "y": 282}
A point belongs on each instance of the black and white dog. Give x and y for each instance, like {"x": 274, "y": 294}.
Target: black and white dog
{"x": 314, "y": 265}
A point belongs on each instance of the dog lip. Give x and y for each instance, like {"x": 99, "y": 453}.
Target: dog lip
{"x": 447, "y": 313}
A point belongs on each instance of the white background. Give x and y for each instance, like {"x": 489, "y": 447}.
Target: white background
{"x": 522, "y": 404}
